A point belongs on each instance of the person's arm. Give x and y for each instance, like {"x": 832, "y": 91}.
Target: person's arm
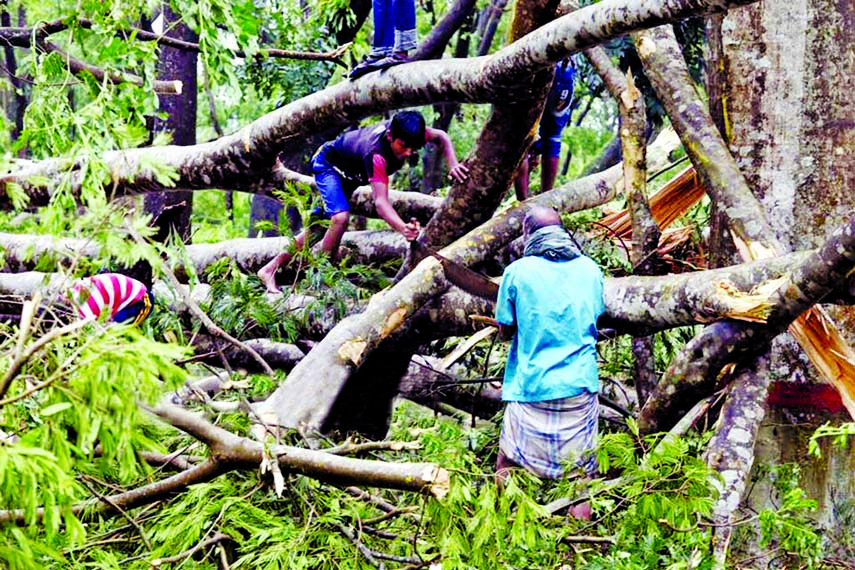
{"x": 457, "y": 170}
{"x": 380, "y": 193}
{"x": 506, "y": 307}
{"x": 379, "y": 180}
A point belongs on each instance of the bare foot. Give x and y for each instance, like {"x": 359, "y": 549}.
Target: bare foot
{"x": 581, "y": 511}
{"x": 268, "y": 278}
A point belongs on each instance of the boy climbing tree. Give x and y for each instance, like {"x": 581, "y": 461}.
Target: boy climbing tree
{"x": 366, "y": 156}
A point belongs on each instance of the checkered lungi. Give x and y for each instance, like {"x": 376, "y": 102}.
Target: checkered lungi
{"x": 540, "y": 435}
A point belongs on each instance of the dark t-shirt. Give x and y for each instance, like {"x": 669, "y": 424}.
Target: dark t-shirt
{"x": 357, "y": 154}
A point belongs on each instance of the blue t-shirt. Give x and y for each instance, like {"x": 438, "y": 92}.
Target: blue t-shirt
{"x": 555, "y": 306}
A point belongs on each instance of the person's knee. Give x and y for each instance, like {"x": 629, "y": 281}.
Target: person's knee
{"x": 339, "y": 220}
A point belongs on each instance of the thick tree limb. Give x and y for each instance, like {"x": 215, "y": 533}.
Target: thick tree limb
{"x": 237, "y": 451}
{"x": 25, "y": 252}
{"x": 730, "y": 452}
{"x": 634, "y": 305}
{"x": 645, "y": 232}
{"x": 694, "y": 375}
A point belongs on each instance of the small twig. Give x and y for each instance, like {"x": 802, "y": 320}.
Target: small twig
{"x": 379, "y": 533}
{"x": 393, "y": 558}
{"x": 743, "y": 520}
{"x": 389, "y": 515}
{"x": 376, "y": 501}
{"x": 224, "y": 558}
{"x": 364, "y": 550}
{"x": 121, "y": 511}
{"x": 216, "y": 538}
{"x": 614, "y": 406}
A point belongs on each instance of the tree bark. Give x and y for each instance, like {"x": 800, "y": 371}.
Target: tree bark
{"x": 730, "y": 452}
{"x": 171, "y": 212}
{"x": 694, "y": 375}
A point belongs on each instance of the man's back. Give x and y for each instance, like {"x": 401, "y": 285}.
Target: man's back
{"x": 554, "y": 306}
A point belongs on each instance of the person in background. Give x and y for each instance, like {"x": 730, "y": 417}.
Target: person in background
{"x": 549, "y": 302}
{"x": 394, "y": 36}
{"x": 363, "y": 156}
{"x": 123, "y": 298}
{"x": 547, "y": 149}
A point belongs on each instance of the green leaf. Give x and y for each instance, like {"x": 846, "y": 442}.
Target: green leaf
{"x": 55, "y": 409}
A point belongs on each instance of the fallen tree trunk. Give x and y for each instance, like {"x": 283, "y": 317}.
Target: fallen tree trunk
{"x": 635, "y": 305}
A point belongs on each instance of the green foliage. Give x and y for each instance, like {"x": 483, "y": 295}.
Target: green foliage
{"x": 81, "y": 393}
{"x": 840, "y": 435}
{"x": 789, "y": 528}
{"x": 239, "y": 304}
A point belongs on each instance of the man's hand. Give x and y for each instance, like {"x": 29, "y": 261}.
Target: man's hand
{"x": 411, "y": 231}
{"x": 459, "y": 172}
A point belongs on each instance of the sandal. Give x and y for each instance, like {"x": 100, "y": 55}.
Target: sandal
{"x": 369, "y": 65}
{"x": 364, "y": 66}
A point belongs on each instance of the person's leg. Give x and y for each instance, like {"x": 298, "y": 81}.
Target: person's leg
{"x": 521, "y": 181}
{"x": 384, "y": 29}
{"x": 267, "y": 274}
{"x": 332, "y": 238}
{"x": 503, "y": 466}
{"x": 383, "y": 41}
{"x": 548, "y": 172}
{"x": 551, "y": 127}
{"x": 405, "y": 39}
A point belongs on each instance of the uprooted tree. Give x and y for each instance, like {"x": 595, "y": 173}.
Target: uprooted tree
{"x": 347, "y": 379}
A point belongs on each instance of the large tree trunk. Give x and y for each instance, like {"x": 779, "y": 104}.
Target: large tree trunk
{"x": 171, "y": 211}
{"x": 793, "y": 134}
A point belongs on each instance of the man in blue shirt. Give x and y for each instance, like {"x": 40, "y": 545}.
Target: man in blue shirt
{"x": 549, "y": 302}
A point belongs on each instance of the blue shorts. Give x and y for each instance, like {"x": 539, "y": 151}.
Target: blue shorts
{"x": 334, "y": 189}
{"x": 552, "y": 123}
{"x": 556, "y": 112}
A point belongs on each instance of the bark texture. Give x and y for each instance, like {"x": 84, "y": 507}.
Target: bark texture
{"x": 731, "y": 450}
{"x": 791, "y": 76}
{"x": 695, "y": 375}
